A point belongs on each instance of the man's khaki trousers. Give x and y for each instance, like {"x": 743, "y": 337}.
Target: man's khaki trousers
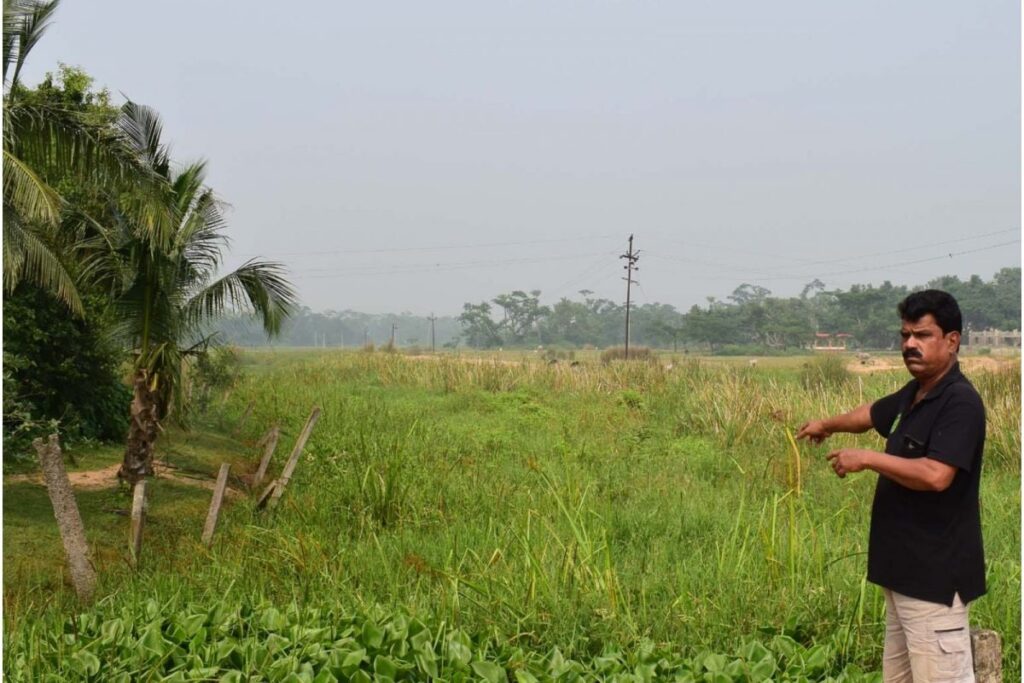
{"x": 926, "y": 642}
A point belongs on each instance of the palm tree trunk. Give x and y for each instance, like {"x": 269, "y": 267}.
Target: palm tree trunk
{"x": 142, "y": 432}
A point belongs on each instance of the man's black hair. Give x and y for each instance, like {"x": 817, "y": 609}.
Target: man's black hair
{"x": 940, "y": 304}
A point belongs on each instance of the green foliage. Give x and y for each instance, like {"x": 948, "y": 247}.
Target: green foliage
{"x": 533, "y": 506}
{"x": 60, "y": 370}
{"x": 326, "y": 643}
{"x": 164, "y": 276}
{"x": 215, "y": 369}
{"x": 636, "y": 353}
{"x": 479, "y": 329}
{"x": 219, "y": 367}
{"x": 825, "y": 373}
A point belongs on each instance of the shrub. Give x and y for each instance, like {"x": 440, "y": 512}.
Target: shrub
{"x": 216, "y": 369}
{"x": 558, "y": 354}
{"x": 636, "y": 353}
{"x": 824, "y": 372}
{"x": 60, "y": 373}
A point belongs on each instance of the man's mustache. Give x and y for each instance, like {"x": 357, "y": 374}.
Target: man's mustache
{"x": 911, "y": 353}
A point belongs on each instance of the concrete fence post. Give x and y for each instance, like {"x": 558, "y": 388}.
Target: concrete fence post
{"x": 218, "y": 497}
{"x": 138, "y": 522}
{"x": 986, "y": 646}
{"x": 69, "y": 521}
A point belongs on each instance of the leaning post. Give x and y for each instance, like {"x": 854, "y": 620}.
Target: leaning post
{"x": 293, "y": 459}
{"x": 69, "y": 521}
{"x": 270, "y": 444}
{"x": 218, "y": 497}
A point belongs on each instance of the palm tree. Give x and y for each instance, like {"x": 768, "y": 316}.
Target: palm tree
{"x": 43, "y": 144}
{"x": 166, "y": 287}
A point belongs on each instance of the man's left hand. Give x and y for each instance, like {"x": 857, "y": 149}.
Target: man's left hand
{"x": 848, "y": 460}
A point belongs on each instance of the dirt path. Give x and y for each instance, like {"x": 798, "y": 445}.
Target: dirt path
{"x": 91, "y": 480}
{"x": 969, "y": 364}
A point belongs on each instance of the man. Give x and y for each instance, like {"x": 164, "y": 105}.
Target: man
{"x": 925, "y": 547}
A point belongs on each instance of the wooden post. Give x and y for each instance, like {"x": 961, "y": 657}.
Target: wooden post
{"x": 69, "y": 521}
{"x": 293, "y": 459}
{"x": 271, "y": 444}
{"x": 138, "y": 521}
{"x": 988, "y": 656}
{"x": 261, "y": 502}
{"x": 218, "y": 497}
{"x": 244, "y": 418}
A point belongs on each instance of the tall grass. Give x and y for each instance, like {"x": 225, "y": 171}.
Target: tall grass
{"x": 583, "y": 506}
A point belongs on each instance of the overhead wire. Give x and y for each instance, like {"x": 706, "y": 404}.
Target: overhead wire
{"x": 446, "y": 247}
{"x": 319, "y": 273}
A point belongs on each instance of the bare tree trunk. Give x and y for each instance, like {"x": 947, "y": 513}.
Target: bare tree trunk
{"x": 142, "y": 432}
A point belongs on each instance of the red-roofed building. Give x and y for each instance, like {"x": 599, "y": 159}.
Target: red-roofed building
{"x": 826, "y": 341}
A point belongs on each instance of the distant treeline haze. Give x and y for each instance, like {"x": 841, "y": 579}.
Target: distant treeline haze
{"x": 749, "y": 320}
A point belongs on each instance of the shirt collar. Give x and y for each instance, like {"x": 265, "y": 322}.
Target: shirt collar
{"x": 954, "y": 375}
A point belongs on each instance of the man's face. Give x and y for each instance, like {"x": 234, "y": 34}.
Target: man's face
{"x": 926, "y": 350}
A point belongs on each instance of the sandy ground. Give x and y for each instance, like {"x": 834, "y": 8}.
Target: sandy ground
{"x": 970, "y": 364}
{"x": 107, "y": 478}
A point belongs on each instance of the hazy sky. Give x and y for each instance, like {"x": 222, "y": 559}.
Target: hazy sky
{"x": 415, "y": 156}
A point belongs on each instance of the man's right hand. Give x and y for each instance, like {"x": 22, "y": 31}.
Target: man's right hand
{"x": 815, "y": 430}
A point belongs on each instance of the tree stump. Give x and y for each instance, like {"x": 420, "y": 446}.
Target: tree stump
{"x": 69, "y": 521}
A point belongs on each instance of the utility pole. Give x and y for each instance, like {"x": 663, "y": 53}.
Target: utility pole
{"x": 366, "y": 336}
{"x": 432, "y": 319}
{"x": 394, "y": 329}
{"x": 631, "y": 258}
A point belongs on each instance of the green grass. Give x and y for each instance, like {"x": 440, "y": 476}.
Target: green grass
{"x": 534, "y": 506}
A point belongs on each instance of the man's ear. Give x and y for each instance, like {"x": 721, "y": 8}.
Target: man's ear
{"x": 954, "y": 339}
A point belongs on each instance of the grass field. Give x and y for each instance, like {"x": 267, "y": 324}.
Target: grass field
{"x": 652, "y": 521}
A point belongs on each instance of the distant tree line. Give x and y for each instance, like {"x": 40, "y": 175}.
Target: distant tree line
{"x": 750, "y": 320}
{"x": 343, "y": 328}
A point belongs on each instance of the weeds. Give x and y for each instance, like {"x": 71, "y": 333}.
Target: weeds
{"x": 627, "y": 513}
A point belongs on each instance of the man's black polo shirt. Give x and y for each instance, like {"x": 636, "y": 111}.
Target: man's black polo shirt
{"x": 927, "y": 544}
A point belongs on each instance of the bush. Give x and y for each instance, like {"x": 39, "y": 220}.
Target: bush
{"x": 636, "y": 353}
{"x": 216, "y": 369}
{"x": 825, "y": 372}
{"x": 557, "y": 354}
{"x": 60, "y": 373}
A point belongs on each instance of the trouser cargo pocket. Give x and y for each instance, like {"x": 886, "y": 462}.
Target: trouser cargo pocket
{"x": 951, "y": 659}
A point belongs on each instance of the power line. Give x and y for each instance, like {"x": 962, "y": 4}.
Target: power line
{"x": 427, "y": 267}
{"x": 590, "y": 270}
{"x": 769, "y": 273}
{"x": 889, "y": 252}
{"x": 883, "y": 267}
{"x": 447, "y": 247}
